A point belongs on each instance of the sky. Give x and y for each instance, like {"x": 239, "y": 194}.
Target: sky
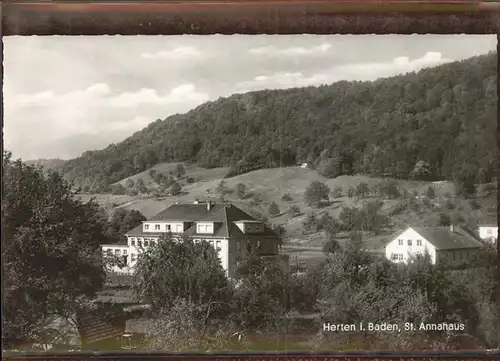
{"x": 66, "y": 95}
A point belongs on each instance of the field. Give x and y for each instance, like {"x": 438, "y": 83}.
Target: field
{"x": 272, "y": 184}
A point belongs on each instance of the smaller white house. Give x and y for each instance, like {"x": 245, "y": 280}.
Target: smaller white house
{"x": 441, "y": 243}
{"x": 304, "y": 165}
{"x": 489, "y": 232}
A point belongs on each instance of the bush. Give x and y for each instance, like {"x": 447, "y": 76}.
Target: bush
{"x": 286, "y": 197}
{"x": 241, "y": 190}
{"x": 474, "y": 204}
{"x": 294, "y": 211}
{"x": 336, "y": 192}
{"x": 316, "y": 192}
{"x": 273, "y": 209}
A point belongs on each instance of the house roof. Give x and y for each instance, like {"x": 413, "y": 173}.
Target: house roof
{"x": 444, "y": 239}
{"x": 488, "y": 221}
{"x": 186, "y": 212}
{"x": 223, "y": 215}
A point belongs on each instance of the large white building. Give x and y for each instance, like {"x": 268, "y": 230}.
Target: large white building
{"x": 233, "y": 233}
{"x": 441, "y": 243}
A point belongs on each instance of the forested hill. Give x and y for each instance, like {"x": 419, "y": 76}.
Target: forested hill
{"x": 443, "y": 118}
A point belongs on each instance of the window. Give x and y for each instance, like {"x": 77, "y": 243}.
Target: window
{"x": 400, "y": 256}
{"x": 394, "y": 256}
{"x": 117, "y": 251}
{"x": 139, "y": 243}
{"x": 489, "y": 231}
{"x": 167, "y": 227}
{"x": 157, "y": 227}
{"x": 409, "y": 242}
{"x": 124, "y": 251}
{"x": 146, "y": 243}
{"x": 132, "y": 241}
{"x": 146, "y": 227}
{"x": 238, "y": 245}
{"x": 179, "y": 228}
{"x": 132, "y": 257}
{"x": 217, "y": 246}
{"x": 153, "y": 243}
{"x": 419, "y": 242}
{"x": 400, "y": 242}
{"x": 109, "y": 252}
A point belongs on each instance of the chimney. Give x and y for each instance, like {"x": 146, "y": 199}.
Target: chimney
{"x": 196, "y": 202}
{"x": 209, "y": 206}
{"x": 452, "y": 228}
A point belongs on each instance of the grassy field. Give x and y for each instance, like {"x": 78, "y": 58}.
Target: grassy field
{"x": 271, "y": 184}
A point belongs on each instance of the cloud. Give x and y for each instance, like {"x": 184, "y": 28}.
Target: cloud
{"x": 180, "y": 53}
{"x": 273, "y": 51}
{"x": 360, "y": 71}
{"x": 97, "y": 109}
{"x": 182, "y": 93}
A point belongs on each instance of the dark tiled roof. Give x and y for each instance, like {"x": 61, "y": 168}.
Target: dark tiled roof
{"x": 443, "y": 238}
{"x": 187, "y": 212}
{"x": 223, "y": 215}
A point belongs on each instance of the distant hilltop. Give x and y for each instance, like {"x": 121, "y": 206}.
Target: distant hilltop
{"x": 440, "y": 121}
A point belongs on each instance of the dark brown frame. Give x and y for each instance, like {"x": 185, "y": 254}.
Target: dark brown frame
{"x": 254, "y": 17}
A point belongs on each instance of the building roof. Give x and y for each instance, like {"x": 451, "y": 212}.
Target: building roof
{"x": 444, "y": 239}
{"x": 489, "y": 221}
{"x": 223, "y": 215}
{"x": 186, "y": 212}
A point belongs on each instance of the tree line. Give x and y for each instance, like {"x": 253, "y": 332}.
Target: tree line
{"x": 435, "y": 124}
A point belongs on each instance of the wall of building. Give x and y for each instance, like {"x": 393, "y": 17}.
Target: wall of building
{"x": 121, "y": 251}
{"x": 455, "y": 255}
{"x": 408, "y": 244}
{"x": 163, "y": 227}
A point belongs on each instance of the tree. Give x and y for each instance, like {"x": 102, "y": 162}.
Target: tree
{"x": 274, "y": 209}
{"x": 351, "y": 192}
{"x": 122, "y": 221}
{"x": 175, "y": 189}
{"x": 390, "y": 189}
{"x": 331, "y": 246}
{"x": 294, "y": 211}
{"x": 152, "y": 173}
{"x": 316, "y": 192}
{"x": 129, "y": 183}
{"x": 421, "y": 171}
{"x": 311, "y": 223}
{"x": 464, "y": 180}
{"x": 356, "y": 239}
{"x": 241, "y": 190}
{"x": 329, "y": 167}
{"x": 430, "y": 192}
{"x": 222, "y": 188}
{"x": 181, "y": 269}
{"x": 261, "y": 299}
{"x": 118, "y": 189}
{"x": 140, "y": 186}
{"x": 336, "y": 192}
{"x": 362, "y": 190}
{"x": 286, "y": 197}
{"x": 158, "y": 178}
{"x": 51, "y": 256}
{"x": 444, "y": 220}
{"x": 179, "y": 170}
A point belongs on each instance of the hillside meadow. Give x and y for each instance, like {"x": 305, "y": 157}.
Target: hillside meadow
{"x": 265, "y": 186}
